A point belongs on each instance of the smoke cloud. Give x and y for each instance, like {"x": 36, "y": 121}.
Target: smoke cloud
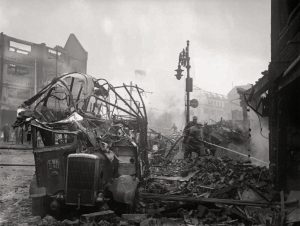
{"x": 259, "y": 143}
{"x": 122, "y": 36}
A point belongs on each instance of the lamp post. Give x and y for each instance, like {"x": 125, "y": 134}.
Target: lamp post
{"x": 184, "y": 61}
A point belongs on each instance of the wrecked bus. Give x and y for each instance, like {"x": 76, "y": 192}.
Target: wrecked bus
{"x": 89, "y": 142}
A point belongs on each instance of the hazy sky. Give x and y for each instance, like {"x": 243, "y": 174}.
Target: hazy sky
{"x": 229, "y": 39}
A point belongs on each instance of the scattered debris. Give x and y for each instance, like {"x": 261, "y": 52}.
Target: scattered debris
{"x": 134, "y": 218}
{"x": 221, "y": 191}
{"x": 82, "y": 119}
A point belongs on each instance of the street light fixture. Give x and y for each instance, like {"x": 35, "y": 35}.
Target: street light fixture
{"x": 179, "y": 72}
{"x": 184, "y": 61}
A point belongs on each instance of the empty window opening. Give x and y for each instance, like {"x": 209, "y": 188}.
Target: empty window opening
{"x": 13, "y": 69}
{"x": 54, "y": 52}
{"x": 19, "y": 47}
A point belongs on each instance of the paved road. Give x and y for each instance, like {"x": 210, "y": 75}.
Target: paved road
{"x": 15, "y": 205}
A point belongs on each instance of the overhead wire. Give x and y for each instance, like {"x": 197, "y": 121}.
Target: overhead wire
{"x": 261, "y": 128}
{"x": 258, "y": 116}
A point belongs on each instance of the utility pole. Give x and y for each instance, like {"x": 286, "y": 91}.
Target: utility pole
{"x": 188, "y": 83}
{"x": 184, "y": 60}
{"x": 56, "y": 58}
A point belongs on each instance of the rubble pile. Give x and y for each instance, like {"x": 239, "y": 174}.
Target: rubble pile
{"x": 215, "y": 176}
{"x": 203, "y": 191}
{"x": 85, "y": 120}
{"x": 210, "y": 191}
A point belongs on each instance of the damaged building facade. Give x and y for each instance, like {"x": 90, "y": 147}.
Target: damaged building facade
{"x": 234, "y": 108}
{"x": 275, "y": 96}
{"x": 25, "y": 67}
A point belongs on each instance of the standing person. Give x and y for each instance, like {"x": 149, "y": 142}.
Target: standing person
{"x": 195, "y": 143}
{"x": 186, "y": 136}
{"x": 174, "y": 128}
{"x": 18, "y": 135}
{"x": 188, "y": 126}
{"x": 6, "y": 132}
{"x": 192, "y": 123}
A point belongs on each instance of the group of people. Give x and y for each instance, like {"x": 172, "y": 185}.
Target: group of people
{"x": 10, "y": 134}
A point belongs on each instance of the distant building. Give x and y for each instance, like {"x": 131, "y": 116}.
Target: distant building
{"x": 25, "y": 67}
{"x": 212, "y": 106}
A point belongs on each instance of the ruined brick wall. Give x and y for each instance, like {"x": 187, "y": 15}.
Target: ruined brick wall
{"x": 26, "y": 67}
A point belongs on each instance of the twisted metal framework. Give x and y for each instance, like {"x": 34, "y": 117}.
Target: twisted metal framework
{"x": 95, "y": 100}
{"x": 91, "y": 97}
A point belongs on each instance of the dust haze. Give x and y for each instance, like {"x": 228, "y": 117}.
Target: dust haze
{"x": 122, "y": 36}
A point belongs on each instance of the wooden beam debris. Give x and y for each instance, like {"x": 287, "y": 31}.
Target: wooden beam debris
{"x": 213, "y": 200}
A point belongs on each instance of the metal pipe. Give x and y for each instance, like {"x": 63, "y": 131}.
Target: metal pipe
{"x": 13, "y": 164}
{"x": 132, "y": 100}
{"x": 143, "y": 103}
{"x": 213, "y": 200}
{"x": 173, "y": 146}
{"x": 125, "y": 102}
{"x": 118, "y": 107}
